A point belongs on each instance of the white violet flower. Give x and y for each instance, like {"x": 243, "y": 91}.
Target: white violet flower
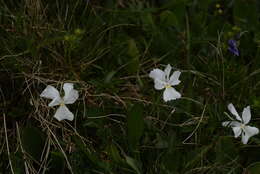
{"x": 71, "y": 95}
{"x": 163, "y": 80}
{"x": 240, "y": 125}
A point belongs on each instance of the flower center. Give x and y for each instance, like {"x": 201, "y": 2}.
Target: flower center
{"x": 168, "y": 86}
{"x": 242, "y": 126}
{"x": 62, "y": 103}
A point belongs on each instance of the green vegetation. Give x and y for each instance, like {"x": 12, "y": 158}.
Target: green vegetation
{"x": 122, "y": 125}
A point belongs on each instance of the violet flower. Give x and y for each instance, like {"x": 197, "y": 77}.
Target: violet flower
{"x": 232, "y": 47}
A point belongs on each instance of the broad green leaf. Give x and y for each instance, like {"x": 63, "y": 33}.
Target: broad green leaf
{"x": 135, "y": 124}
{"x": 57, "y": 163}
{"x": 32, "y": 141}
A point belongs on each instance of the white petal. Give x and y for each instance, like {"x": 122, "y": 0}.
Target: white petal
{"x": 157, "y": 74}
{"x": 170, "y": 94}
{"x": 167, "y": 71}
{"x": 158, "y": 84}
{"x": 50, "y": 92}
{"x": 237, "y": 131}
{"x": 63, "y": 113}
{"x": 174, "y": 79}
{"x": 249, "y": 131}
{"x": 55, "y": 102}
{"x": 232, "y": 109}
{"x": 246, "y": 115}
{"x": 231, "y": 123}
{"x": 71, "y": 95}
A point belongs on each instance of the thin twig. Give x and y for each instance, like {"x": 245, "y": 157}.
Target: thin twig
{"x": 202, "y": 115}
{"x": 62, "y": 151}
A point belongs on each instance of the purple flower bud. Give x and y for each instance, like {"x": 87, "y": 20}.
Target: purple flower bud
{"x": 232, "y": 47}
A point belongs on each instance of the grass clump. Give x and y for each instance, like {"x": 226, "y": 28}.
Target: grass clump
{"x": 121, "y": 123}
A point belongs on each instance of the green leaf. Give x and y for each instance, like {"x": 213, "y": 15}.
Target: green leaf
{"x": 57, "y": 163}
{"x": 168, "y": 18}
{"x": 133, "y": 163}
{"x": 94, "y": 159}
{"x": 109, "y": 76}
{"x": 179, "y": 8}
{"x": 245, "y": 12}
{"x": 32, "y": 141}
{"x": 160, "y": 142}
{"x": 114, "y": 153}
{"x": 204, "y": 3}
{"x": 17, "y": 162}
{"x": 225, "y": 150}
{"x": 168, "y": 159}
{"x": 133, "y": 53}
{"x": 135, "y": 124}
{"x": 147, "y": 20}
{"x": 254, "y": 168}
{"x": 197, "y": 156}
{"x": 132, "y": 48}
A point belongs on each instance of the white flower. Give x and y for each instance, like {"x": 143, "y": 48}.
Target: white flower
{"x": 240, "y": 125}
{"x": 163, "y": 80}
{"x": 71, "y": 95}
